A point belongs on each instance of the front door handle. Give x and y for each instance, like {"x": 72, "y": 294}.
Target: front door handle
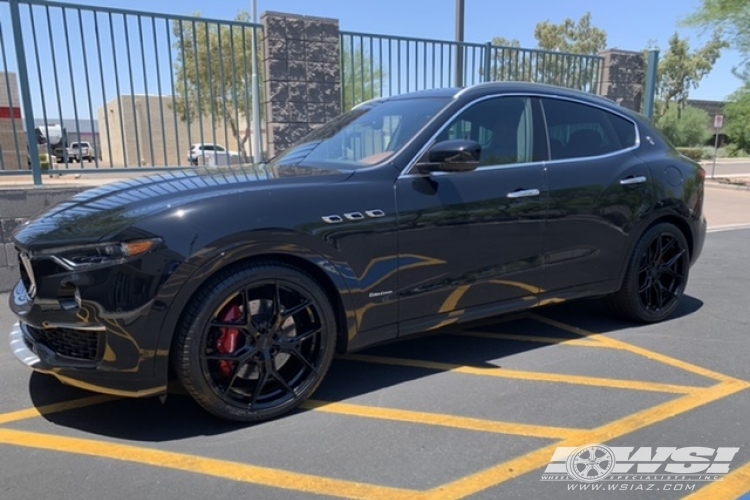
{"x": 633, "y": 180}
{"x": 523, "y": 193}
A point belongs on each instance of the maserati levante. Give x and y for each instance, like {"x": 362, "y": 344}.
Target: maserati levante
{"x": 402, "y": 215}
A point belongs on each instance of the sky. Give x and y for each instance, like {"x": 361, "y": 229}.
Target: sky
{"x": 63, "y": 85}
{"x": 630, "y": 25}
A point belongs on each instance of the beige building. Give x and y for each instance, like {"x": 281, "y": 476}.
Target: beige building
{"x": 12, "y": 129}
{"x": 145, "y": 130}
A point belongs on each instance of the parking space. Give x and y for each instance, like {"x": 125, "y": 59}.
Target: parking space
{"x": 472, "y": 411}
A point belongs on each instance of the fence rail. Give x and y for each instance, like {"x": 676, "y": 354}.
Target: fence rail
{"x": 383, "y": 65}
{"x": 138, "y": 88}
{"x": 141, "y": 88}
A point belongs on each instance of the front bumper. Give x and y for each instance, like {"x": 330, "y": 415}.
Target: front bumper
{"x": 37, "y": 357}
{"x": 90, "y": 348}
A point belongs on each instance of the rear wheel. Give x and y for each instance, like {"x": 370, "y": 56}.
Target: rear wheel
{"x": 256, "y": 341}
{"x": 656, "y": 277}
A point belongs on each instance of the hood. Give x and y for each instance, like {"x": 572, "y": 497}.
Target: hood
{"x": 100, "y": 213}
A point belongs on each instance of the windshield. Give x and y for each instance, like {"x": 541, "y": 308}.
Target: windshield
{"x": 366, "y": 135}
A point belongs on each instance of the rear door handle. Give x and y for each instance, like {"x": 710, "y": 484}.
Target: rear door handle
{"x": 633, "y": 180}
{"x": 523, "y": 193}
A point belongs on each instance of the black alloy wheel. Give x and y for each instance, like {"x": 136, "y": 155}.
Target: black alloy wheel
{"x": 656, "y": 277}
{"x": 256, "y": 342}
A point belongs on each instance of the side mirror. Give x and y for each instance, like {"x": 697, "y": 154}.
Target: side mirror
{"x": 452, "y": 156}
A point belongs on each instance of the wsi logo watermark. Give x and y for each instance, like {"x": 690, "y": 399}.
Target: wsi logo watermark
{"x": 597, "y": 462}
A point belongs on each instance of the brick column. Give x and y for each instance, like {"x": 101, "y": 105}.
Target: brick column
{"x": 623, "y": 78}
{"x": 301, "y": 61}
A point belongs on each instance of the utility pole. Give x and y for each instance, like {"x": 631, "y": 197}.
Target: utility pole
{"x": 257, "y": 151}
{"x": 460, "y": 43}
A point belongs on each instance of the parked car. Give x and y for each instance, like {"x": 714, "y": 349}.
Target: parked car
{"x": 212, "y": 155}
{"x": 401, "y": 216}
{"x": 79, "y": 151}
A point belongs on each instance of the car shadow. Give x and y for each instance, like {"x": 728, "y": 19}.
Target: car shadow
{"x": 179, "y": 417}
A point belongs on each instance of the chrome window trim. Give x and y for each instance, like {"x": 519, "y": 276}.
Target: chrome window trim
{"x": 407, "y": 172}
{"x": 635, "y": 146}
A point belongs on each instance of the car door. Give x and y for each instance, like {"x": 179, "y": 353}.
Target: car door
{"x": 473, "y": 239}
{"x": 598, "y": 192}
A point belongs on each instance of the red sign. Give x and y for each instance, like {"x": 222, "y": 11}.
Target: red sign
{"x": 7, "y": 112}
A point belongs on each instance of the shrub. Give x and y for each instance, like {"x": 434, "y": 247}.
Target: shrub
{"x": 688, "y": 129}
{"x": 692, "y": 153}
{"x": 738, "y": 119}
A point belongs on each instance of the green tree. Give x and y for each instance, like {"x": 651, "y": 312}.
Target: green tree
{"x": 737, "y": 112}
{"x": 681, "y": 70}
{"x": 687, "y": 128}
{"x": 572, "y": 39}
{"x": 576, "y": 38}
{"x": 361, "y": 78}
{"x": 733, "y": 18}
{"x": 212, "y": 74}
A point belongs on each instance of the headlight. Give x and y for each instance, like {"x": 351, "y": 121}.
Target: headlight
{"x": 102, "y": 254}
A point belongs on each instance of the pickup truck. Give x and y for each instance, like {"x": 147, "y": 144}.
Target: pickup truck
{"x": 79, "y": 151}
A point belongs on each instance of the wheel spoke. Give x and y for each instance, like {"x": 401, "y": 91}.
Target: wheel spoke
{"x": 277, "y": 376}
{"x": 223, "y": 324}
{"x": 262, "y": 379}
{"x": 295, "y": 341}
{"x": 667, "y": 290}
{"x": 294, "y": 310}
{"x": 298, "y": 355}
{"x": 674, "y": 259}
{"x": 276, "y": 302}
{"x": 665, "y": 248}
{"x": 233, "y": 377}
{"x": 673, "y": 274}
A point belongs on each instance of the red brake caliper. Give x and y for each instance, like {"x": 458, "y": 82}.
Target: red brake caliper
{"x": 227, "y": 342}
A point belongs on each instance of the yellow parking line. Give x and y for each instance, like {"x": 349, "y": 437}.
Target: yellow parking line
{"x": 234, "y": 471}
{"x": 654, "y": 356}
{"x": 73, "y": 404}
{"x": 442, "y": 420}
{"x": 734, "y": 485}
{"x": 529, "y": 338}
{"x": 635, "y": 385}
{"x": 498, "y": 474}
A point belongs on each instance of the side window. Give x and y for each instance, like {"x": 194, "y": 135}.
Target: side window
{"x": 219, "y": 148}
{"x": 207, "y": 147}
{"x": 577, "y": 130}
{"x": 503, "y": 126}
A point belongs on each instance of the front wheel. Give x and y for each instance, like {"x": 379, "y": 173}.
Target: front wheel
{"x": 255, "y": 342}
{"x": 656, "y": 277}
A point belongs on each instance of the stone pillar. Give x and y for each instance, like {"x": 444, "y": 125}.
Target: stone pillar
{"x": 10, "y": 121}
{"x": 623, "y": 77}
{"x": 301, "y": 61}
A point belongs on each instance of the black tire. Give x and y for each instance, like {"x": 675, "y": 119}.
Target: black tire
{"x": 656, "y": 277}
{"x": 256, "y": 366}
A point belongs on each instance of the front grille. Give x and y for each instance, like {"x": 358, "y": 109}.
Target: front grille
{"x": 70, "y": 343}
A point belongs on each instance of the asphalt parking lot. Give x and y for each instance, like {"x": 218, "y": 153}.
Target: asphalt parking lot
{"x": 471, "y": 412}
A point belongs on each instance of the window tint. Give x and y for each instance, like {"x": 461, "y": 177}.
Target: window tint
{"x": 219, "y": 148}
{"x": 503, "y": 126}
{"x": 577, "y": 130}
{"x": 207, "y": 147}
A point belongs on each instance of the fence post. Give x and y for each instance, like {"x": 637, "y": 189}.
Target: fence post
{"x": 23, "y": 83}
{"x": 651, "y": 77}
{"x": 488, "y": 77}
